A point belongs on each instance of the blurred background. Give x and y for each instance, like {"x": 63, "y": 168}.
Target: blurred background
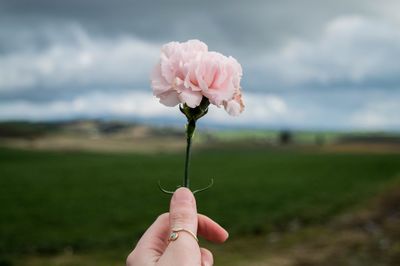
{"x": 308, "y": 175}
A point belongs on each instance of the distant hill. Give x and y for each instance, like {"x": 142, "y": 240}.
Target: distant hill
{"x": 117, "y": 136}
{"x": 32, "y": 130}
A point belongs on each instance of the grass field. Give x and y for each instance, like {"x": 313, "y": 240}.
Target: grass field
{"x": 93, "y": 203}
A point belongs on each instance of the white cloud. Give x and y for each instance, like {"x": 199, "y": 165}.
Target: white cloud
{"x": 93, "y": 105}
{"x": 80, "y": 61}
{"x": 263, "y": 109}
{"x": 352, "y": 51}
{"x": 373, "y": 110}
{"x": 382, "y": 113}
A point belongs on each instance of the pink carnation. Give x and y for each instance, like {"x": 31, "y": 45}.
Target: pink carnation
{"x": 187, "y": 72}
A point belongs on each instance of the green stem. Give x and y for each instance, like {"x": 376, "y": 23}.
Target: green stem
{"x": 191, "y": 126}
{"x": 186, "y": 177}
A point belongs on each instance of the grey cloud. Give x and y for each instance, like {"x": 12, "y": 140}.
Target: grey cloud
{"x": 373, "y": 110}
{"x": 232, "y": 25}
{"x": 352, "y": 51}
{"x": 60, "y": 51}
{"x": 82, "y": 62}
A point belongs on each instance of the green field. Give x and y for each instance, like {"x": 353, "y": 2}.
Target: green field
{"x": 90, "y": 202}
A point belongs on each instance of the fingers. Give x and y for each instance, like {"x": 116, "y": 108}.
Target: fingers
{"x": 183, "y": 214}
{"x": 152, "y": 244}
{"x": 210, "y": 230}
{"x": 206, "y": 257}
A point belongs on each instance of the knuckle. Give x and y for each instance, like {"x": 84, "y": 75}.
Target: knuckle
{"x": 130, "y": 259}
{"x": 182, "y": 217}
{"x": 163, "y": 217}
{"x": 135, "y": 259}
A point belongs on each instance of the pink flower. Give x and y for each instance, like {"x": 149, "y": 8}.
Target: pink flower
{"x": 187, "y": 72}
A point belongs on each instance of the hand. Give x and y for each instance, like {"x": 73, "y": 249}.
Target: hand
{"x": 154, "y": 249}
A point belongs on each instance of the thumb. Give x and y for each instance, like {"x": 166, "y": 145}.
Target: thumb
{"x": 184, "y": 250}
{"x": 183, "y": 211}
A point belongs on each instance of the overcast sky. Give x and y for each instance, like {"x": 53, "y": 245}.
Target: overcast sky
{"x": 307, "y": 64}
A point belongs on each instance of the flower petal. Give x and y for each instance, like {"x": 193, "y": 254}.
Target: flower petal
{"x": 169, "y": 98}
{"x": 191, "y": 98}
{"x": 158, "y": 83}
{"x": 235, "y": 106}
{"x": 232, "y": 107}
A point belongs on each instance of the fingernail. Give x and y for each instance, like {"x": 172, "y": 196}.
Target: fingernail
{"x": 183, "y": 195}
{"x": 227, "y": 235}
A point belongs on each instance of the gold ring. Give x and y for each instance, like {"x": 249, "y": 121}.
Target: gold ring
{"x": 175, "y": 234}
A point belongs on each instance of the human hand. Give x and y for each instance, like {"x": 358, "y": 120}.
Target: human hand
{"x": 154, "y": 249}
